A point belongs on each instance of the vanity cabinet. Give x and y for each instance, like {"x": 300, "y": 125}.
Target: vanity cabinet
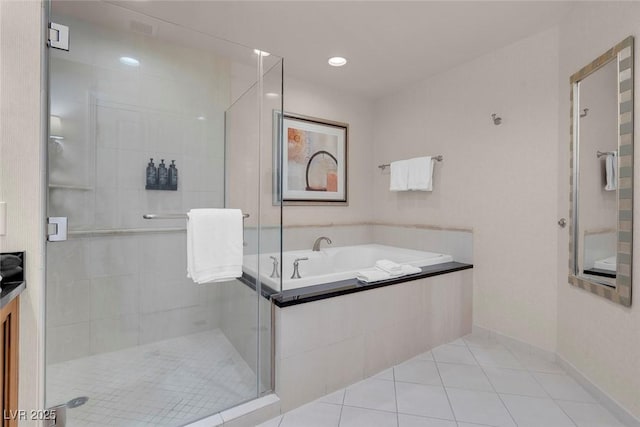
{"x": 9, "y": 327}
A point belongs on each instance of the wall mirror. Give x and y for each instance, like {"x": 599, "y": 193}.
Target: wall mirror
{"x": 601, "y": 162}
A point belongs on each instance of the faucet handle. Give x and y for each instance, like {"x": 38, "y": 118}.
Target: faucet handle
{"x": 274, "y": 274}
{"x": 296, "y": 273}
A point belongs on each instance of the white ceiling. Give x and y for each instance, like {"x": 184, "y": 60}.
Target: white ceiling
{"x": 389, "y": 44}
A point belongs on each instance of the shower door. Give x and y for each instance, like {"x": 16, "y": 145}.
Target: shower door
{"x": 130, "y": 340}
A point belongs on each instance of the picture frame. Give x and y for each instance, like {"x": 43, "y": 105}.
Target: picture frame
{"x": 311, "y": 161}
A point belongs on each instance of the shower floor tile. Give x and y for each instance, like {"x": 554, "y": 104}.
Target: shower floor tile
{"x": 166, "y": 383}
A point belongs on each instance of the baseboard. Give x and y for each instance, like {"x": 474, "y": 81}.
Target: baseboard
{"x": 603, "y": 398}
{"x": 619, "y": 411}
{"x": 515, "y": 343}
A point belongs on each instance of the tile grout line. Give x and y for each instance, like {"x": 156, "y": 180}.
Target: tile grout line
{"x": 395, "y": 394}
{"x": 455, "y": 418}
{"x": 555, "y": 401}
{"x": 530, "y": 372}
{"x": 344, "y": 396}
{"x": 490, "y": 383}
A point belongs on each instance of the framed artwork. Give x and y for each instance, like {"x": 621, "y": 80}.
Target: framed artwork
{"x": 311, "y": 161}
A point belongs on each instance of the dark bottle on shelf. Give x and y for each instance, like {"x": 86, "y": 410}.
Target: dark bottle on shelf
{"x": 152, "y": 174}
{"x": 173, "y": 176}
{"x": 163, "y": 175}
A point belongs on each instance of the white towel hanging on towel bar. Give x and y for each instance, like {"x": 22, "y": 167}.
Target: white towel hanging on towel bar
{"x": 398, "y": 181}
{"x": 214, "y": 245}
{"x": 611, "y": 169}
{"x": 420, "y": 174}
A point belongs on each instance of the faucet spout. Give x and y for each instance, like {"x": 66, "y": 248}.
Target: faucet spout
{"x": 316, "y": 244}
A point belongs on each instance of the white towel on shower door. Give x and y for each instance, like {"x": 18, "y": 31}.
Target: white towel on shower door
{"x": 214, "y": 245}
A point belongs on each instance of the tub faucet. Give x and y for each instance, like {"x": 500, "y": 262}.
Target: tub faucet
{"x": 316, "y": 244}
{"x": 296, "y": 273}
{"x": 275, "y": 274}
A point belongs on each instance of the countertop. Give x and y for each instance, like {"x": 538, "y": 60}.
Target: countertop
{"x": 10, "y": 291}
{"x": 343, "y": 287}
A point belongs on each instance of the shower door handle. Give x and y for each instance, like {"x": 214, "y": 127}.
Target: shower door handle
{"x": 59, "y": 233}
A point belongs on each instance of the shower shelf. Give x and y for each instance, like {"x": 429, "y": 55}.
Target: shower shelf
{"x": 70, "y": 187}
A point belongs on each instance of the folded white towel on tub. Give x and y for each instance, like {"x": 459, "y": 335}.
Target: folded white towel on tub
{"x": 372, "y": 275}
{"x": 410, "y": 269}
{"x": 376, "y": 274}
{"x": 398, "y": 181}
{"x": 389, "y": 266}
{"x": 420, "y": 176}
{"x": 214, "y": 245}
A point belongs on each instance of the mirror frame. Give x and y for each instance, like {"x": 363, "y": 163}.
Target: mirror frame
{"x": 621, "y": 293}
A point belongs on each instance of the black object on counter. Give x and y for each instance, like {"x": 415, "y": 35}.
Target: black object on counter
{"x": 11, "y": 268}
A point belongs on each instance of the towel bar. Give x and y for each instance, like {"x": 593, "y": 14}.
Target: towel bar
{"x": 437, "y": 158}
{"x": 174, "y": 216}
{"x": 184, "y": 216}
{"x": 605, "y": 153}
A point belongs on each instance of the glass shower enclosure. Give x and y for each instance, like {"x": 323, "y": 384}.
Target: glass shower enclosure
{"x": 130, "y": 340}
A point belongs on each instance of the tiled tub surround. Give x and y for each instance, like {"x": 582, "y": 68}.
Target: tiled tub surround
{"x": 457, "y": 242}
{"x": 477, "y": 380}
{"x": 325, "y": 345}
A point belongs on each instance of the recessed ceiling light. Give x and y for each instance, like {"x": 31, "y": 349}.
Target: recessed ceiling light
{"x": 337, "y": 61}
{"x": 261, "y": 52}
{"x": 271, "y": 95}
{"x": 201, "y": 118}
{"x": 127, "y": 60}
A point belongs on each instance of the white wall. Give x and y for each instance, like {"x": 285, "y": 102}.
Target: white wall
{"x": 307, "y": 99}
{"x": 21, "y": 169}
{"x": 497, "y": 180}
{"x": 598, "y": 337}
{"x": 316, "y": 101}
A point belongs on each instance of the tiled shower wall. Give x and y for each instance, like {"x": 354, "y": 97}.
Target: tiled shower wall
{"x": 120, "y": 280}
{"x": 108, "y": 293}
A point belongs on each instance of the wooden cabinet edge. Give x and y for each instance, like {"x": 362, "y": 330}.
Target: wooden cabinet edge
{"x": 9, "y": 356}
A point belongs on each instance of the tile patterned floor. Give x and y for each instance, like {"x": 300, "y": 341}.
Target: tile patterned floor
{"x": 166, "y": 383}
{"x": 473, "y": 381}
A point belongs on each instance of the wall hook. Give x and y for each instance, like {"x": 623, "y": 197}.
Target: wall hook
{"x": 497, "y": 120}
{"x": 584, "y": 112}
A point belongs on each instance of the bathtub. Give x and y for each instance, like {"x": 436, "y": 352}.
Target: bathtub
{"x": 334, "y": 263}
